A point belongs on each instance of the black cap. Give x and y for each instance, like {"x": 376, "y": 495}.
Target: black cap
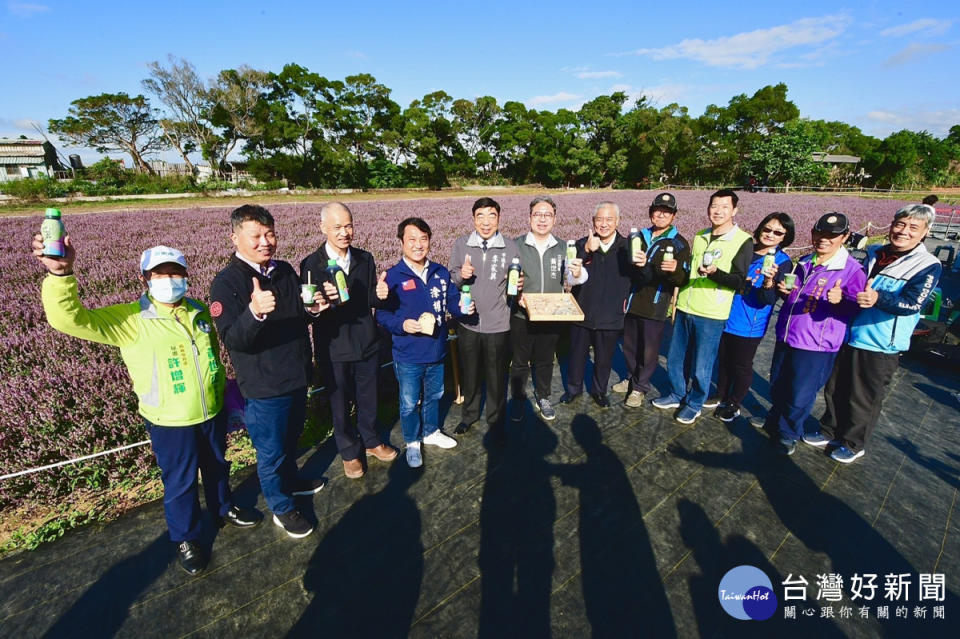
{"x": 835, "y": 223}
{"x": 665, "y": 201}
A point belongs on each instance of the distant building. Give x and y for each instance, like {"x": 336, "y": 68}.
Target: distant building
{"x": 27, "y": 159}
{"x": 830, "y": 158}
{"x": 845, "y": 170}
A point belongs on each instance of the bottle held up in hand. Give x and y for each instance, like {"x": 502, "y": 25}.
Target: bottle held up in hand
{"x": 339, "y": 280}
{"x": 53, "y": 232}
{"x": 465, "y": 297}
{"x": 571, "y": 250}
{"x": 636, "y": 241}
{"x": 513, "y": 278}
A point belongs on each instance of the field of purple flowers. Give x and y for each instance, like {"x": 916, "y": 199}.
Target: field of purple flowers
{"x": 61, "y": 398}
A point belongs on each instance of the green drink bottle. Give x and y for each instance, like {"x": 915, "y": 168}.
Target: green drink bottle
{"x": 636, "y": 242}
{"x": 571, "y": 250}
{"x": 339, "y": 280}
{"x": 53, "y": 233}
{"x": 513, "y": 278}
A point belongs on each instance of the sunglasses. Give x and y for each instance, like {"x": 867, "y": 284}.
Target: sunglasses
{"x": 772, "y": 232}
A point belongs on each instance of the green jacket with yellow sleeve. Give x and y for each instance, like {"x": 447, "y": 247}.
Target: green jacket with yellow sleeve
{"x": 171, "y": 354}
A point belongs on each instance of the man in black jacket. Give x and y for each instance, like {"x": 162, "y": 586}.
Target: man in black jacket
{"x": 606, "y": 255}
{"x": 256, "y": 304}
{"x": 667, "y": 267}
{"x": 346, "y": 342}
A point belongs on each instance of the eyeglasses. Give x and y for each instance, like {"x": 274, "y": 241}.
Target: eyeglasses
{"x": 542, "y": 216}
{"x": 772, "y": 232}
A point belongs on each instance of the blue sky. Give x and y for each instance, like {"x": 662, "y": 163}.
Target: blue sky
{"x": 882, "y": 66}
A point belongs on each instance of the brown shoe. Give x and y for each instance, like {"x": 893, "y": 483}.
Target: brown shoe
{"x": 383, "y": 452}
{"x": 353, "y": 468}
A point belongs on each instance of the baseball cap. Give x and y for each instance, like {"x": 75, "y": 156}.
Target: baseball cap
{"x": 835, "y": 223}
{"x": 665, "y": 201}
{"x": 153, "y": 257}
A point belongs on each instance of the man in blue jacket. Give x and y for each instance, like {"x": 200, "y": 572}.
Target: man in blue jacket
{"x": 418, "y": 295}
{"x": 900, "y": 277}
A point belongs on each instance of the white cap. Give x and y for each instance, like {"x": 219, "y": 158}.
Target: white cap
{"x": 154, "y": 257}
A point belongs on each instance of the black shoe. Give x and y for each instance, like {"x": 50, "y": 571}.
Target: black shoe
{"x": 461, "y": 428}
{"x": 728, "y": 412}
{"x": 566, "y": 398}
{"x": 241, "y": 517}
{"x": 309, "y": 486}
{"x": 294, "y": 523}
{"x": 192, "y": 557}
{"x": 601, "y": 399}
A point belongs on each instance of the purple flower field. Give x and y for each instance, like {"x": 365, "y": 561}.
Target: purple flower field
{"x": 61, "y": 398}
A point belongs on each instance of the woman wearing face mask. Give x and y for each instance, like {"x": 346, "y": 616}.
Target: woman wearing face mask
{"x": 750, "y": 314}
{"x": 171, "y": 352}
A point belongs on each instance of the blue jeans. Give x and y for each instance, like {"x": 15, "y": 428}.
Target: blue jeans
{"x": 704, "y": 333}
{"x": 796, "y": 376}
{"x": 412, "y": 380}
{"x": 180, "y": 451}
{"x": 274, "y": 425}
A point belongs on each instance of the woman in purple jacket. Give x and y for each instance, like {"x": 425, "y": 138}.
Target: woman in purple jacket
{"x": 811, "y": 328}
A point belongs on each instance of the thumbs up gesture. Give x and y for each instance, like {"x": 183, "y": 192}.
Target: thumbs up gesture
{"x": 868, "y": 297}
{"x": 593, "y": 241}
{"x": 467, "y": 270}
{"x": 382, "y": 289}
{"x": 261, "y": 302}
{"x": 835, "y": 294}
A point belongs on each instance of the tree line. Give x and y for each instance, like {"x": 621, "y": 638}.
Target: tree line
{"x": 311, "y": 131}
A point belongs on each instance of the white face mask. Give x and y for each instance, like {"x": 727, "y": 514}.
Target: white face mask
{"x": 168, "y": 290}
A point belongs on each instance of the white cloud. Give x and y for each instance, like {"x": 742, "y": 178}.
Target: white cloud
{"x": 881, "y": 116}
{"x": 929, "y": 26}
{"x": 752, "y": 49}
{"x": 354, "y": 53}
{"x": 913, "y": 52}
{"x": 935, "y": 121}
{"x": 26, "y": 9}
{"x": 595, "y": 75}
{"x": 556, "y": 98}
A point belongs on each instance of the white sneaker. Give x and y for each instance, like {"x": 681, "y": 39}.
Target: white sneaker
{"x": 622, "y": 386}
{"x": 440, "y": 439}
{"x": 414, "y": 458}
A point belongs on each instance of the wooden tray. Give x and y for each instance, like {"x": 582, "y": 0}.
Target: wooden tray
{"x": 552, "y": 307}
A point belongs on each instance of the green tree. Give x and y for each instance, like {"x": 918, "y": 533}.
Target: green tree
{"x": 239, "y": 109}
{"x": 430, "y": 137}
{"x": 112, "y": 122}
{"x": 476, "y": 126}
{"x": 786, "y": 158}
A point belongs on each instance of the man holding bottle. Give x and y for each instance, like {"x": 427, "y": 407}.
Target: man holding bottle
{"x": 544, "y": 263}
{"x": 482, "y": 260}
{"x": 346, "y": 341}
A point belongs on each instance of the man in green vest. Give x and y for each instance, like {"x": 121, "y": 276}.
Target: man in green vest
{"x": 171, "y": 352}
{"x": 720, "y": 258}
